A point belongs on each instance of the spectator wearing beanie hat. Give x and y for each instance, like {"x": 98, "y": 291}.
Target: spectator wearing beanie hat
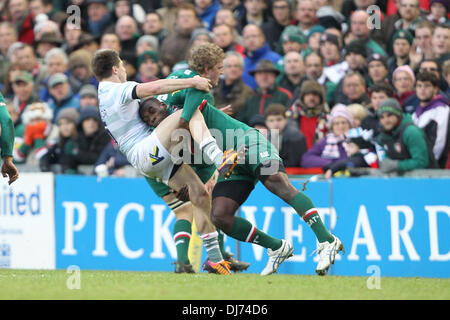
{"x": 404, "y": 143}
{"x": 92, "y": 136}
{"x": 330, "y": 50}
{"x": 439, "y": 10}
{"x": 401, "y": 43}
{"x": 147, "y": 67}
{"x": 360, "y": 155}
{"x": 81, "y": 70}
{"x": 313, "y": 38}
{"x": 64, "y": 150}
{"x": 333, "y": 147}
{"x": 403, "y": 79}
{"x": 292, "y": 39}
{"x": 377, "y": 69}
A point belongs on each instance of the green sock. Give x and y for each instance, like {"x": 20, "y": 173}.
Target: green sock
{"x": 181, "y": 237}
{"x": 243, "y": 230}
{"x": 221, "y": 244}
{"x": 305, "y": 208}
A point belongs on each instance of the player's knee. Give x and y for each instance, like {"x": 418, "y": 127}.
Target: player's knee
{"x": 199, "y": 196}
{"x": 281, "y": 186}
{"x": 221, "y": 218}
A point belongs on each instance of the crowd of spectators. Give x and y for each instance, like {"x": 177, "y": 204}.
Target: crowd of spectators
{"x": 335, "y": 84}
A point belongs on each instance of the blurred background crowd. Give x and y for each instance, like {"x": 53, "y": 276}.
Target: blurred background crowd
{"x": 345, "y": 83}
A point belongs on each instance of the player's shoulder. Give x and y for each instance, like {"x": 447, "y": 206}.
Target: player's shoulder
{"x": 182, "y": 74}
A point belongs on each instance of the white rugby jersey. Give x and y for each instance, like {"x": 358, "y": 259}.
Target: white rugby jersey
{"x": 120, "y": 115}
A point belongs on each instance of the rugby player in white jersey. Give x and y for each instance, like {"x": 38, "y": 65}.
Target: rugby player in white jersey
{"x": 148, "y": 150}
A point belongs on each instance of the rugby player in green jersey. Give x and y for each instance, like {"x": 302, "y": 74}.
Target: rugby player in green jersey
{"x": 9, "y": 170}
{"x": 262, "y": 163}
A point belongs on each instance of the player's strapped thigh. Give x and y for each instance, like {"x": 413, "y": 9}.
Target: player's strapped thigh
{"x": 262, "y": 157}
{"x": 237, "y": 190}
{"x": 152, "y": 158}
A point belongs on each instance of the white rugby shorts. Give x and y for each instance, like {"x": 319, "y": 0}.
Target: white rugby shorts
{"x": 152, "y": 159}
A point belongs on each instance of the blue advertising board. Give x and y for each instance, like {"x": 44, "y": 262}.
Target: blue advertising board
{"x": 400, "y": 226}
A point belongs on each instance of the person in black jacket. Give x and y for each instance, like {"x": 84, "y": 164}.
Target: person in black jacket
{"x": 92, "y": 136}
{"x": 291, "y": 143}
{"x": 282, "y": 16}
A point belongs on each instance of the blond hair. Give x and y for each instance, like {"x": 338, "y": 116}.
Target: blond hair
{"x": 205, "y": 55}
{"x": 357, "y": 111}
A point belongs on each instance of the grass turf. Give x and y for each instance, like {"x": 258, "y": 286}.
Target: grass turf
{"x": 37, "y": 284}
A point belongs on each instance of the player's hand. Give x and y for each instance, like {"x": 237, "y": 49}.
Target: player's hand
{"x": 202, "y": 84}
{"x": 9, "y": 170}
{"x": 227, "y": 109}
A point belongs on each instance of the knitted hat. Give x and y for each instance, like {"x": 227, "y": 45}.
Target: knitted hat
{"x": 377, "y": 57}
{"x": 328, "y": 37}
{"x": 406, "y": 69}
{"x": 89, "y": 112}
{"x": 316, "y": 29}
{"x": 390, "y": 105}
{"x": 340, "y": 110}
{"x": 88, "y": 90}
{"x": 293, "y": 33}
{"x": 153, "y": 55}
{"x": 80, "y": 58}
{"x": 357, "y": 47}
{"x": 445, "y": 3}
{"x": 201, "y": 31}
{"x": 70, "y": 114}
{"x": 403, "y": 34}
{"x": 149, "y": 39}
{"x": 37, "y": 110}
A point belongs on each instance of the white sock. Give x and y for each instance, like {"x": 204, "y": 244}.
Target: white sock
{"x": 212, "y": 151}
{"x": 211, "y": 243}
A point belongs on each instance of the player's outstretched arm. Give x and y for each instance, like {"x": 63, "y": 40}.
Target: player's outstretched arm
{"x": 163, "y": 86}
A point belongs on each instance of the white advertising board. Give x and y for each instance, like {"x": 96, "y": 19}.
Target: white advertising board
{"x": 27, "y": 223}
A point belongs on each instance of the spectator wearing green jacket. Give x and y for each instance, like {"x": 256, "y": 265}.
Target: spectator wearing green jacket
{"x": 404, "y": 143}
{"x": 266, "y": 93}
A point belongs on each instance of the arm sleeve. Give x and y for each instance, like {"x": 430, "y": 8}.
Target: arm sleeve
{"x": 414, "y": 139}
{"x": 194, "y": 99}
{"x": 127, "y": 92}
{"x": 7, "y": 132}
